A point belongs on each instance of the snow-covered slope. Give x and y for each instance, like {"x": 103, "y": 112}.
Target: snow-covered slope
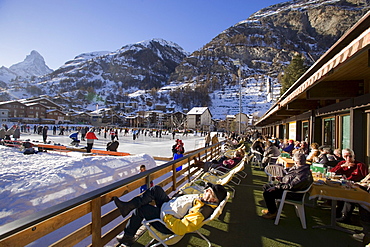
{"x": 6, "y": 75}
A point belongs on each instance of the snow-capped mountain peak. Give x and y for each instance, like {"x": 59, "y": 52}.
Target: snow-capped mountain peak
{"x": 33, "y": 65}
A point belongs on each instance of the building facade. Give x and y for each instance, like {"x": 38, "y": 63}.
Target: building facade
{"x": 330, "y": 103}
{"x": 199, "y": 118}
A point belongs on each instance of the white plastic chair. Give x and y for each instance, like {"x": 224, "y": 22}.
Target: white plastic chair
{"x": 274, "y": 171}
{"x": 299, "y": 205}
{"x": 170, "y": 239}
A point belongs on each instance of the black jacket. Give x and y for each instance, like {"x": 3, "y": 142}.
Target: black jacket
{"x": 297, "y": 178}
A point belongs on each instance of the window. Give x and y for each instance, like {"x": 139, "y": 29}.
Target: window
{"x": 292, "y": 130}
{"x": 305, "y": 131}
{"x": 345, "y": 131}
{"x": 329, "y": 132}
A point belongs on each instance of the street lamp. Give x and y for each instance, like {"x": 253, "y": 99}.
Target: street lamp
{"x": 237, "y": 63}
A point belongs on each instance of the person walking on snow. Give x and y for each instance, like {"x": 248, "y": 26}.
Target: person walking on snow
{"x": 90, "y": 137}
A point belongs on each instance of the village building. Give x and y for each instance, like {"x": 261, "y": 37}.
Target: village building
{"x": 199, "y": 118}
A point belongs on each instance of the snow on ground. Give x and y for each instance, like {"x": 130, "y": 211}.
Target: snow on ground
{"x": 35, "y": 182}
{"x": 31, "y": 183}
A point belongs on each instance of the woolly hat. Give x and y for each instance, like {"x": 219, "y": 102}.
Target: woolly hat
{"x": 219, "y": 190}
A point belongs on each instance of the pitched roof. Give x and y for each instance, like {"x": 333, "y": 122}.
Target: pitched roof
{"x": 197, "y": 110}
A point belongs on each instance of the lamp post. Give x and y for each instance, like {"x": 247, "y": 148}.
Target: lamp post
{"x": 237, "y": 63}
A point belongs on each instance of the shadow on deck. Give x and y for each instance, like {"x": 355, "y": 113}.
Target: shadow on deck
{"x": 241, "y": 223}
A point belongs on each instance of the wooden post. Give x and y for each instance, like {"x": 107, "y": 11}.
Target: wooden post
{"x": 96, "y": 222}
{"x": 174, "y": 177}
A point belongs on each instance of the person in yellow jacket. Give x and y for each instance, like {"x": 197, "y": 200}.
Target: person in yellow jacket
{"x": 182, "y": 214}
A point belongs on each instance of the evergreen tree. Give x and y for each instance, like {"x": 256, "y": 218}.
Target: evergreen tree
{"x": 292, "y": 72}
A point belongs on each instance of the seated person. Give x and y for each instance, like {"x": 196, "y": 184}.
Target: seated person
{"x": 182, "y": 214}
{"x": 335, "y": 158}
{"x": 27, "y": 148}
{"x": 289, "y": 149}
{"x": 271, "y": 151}
{"x": 325, "y": 153}
{"x": 112, "y": 146}
{"x": 314, "y": 153}
{"x": 352, "y": 170}
{"x": 223, "y": 162}
{"x": 304, "y": 148}
{"x": 298, "y": 177}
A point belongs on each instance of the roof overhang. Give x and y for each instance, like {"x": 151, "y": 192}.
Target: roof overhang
{"x": 338, "y": 75}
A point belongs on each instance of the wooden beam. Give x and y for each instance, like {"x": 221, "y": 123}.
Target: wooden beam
{"x": 335, "y": 90}
{"x": 284, "y": 113}
{"x": 303, "y": 105}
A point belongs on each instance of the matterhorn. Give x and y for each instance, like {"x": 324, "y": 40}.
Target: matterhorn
{"x": 33, "y": 65}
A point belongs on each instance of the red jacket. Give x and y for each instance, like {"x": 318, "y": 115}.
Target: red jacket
{"x": 91, "y": 135}
{"x": 354, "y": 173}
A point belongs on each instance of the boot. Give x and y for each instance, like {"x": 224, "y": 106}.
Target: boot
{"x": 126, "y": 240}
{"x": 126, "y": 207}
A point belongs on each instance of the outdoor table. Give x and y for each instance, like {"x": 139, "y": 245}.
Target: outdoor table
{"x": 337, "y": 192}
{"x": 286, "y": 162}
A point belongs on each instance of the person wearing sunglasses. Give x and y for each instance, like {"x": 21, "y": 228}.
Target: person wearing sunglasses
{"x": 181, "y": 214}
{"x": 352, "y": 170}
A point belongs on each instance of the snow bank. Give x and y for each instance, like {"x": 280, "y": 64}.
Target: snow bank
{"x": 30, "y": 183}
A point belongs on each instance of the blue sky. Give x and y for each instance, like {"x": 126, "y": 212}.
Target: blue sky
{"x": 62, "y": 29}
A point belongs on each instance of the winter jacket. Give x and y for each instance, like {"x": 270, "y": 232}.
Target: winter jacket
{"x": 185, "y": 213}
{"x": 2, "y": 133}
{"x": 17, "y": 133}
{"x": 271, "y": 151}
{"x": 297, "y": 178}
{"x": 177, "y": 156}
{"x": 112, "y": 146}
{"x": 289, "y": 148}
{"x": 207, "y": 139}
{"x": 45, "y": 131}
{"x": 9, "y": 132}
{"x": 90, "y": 136}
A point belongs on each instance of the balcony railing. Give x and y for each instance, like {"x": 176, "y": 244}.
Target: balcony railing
{"x": 33, "y": 227}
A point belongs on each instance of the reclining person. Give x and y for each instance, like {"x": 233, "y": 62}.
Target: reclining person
{"x": 223, "y": 162}
{"x": 182, "y": 214}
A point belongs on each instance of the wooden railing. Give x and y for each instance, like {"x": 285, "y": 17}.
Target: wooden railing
{"x": 33, "y": 227}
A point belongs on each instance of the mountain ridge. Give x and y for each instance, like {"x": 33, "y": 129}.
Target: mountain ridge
{"x": 161, "y": 72}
